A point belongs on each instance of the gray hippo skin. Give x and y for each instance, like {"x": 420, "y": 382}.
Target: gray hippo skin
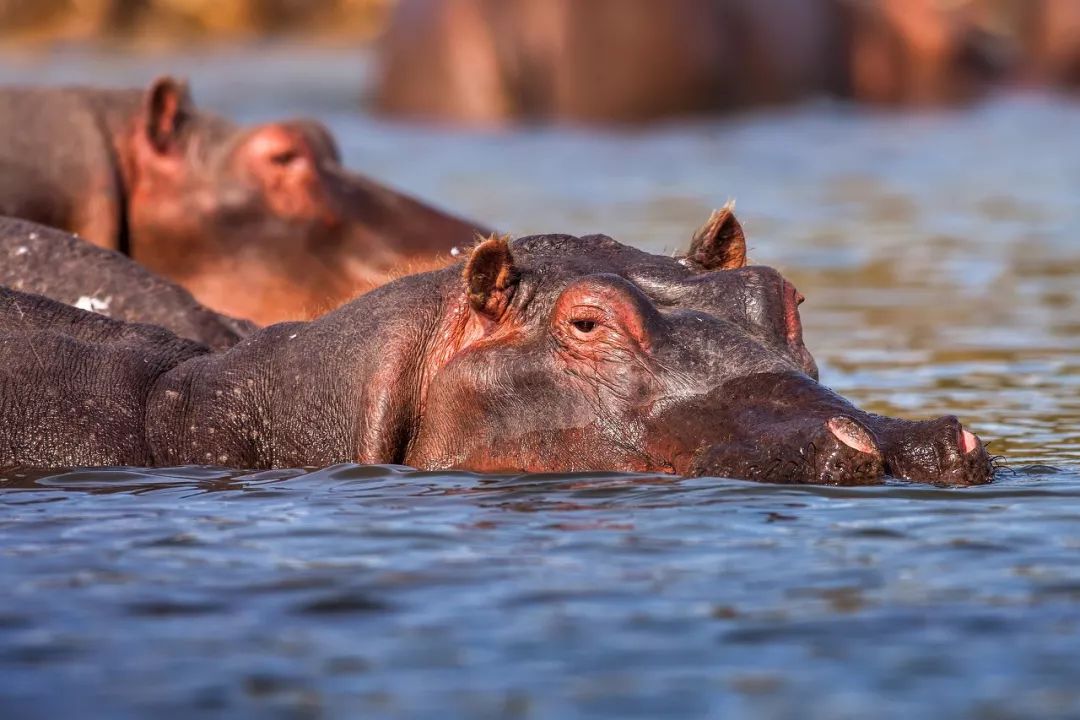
{"x": 45, "y": 261}
{"x": 549, "y": 353}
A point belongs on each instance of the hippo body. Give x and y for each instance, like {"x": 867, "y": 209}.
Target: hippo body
{"x": 551, "y": 353}
{"x": 491, "y": 61}
{"x": 91, "y": 376}
{"x": 204, "y": 202}
{"x": 496, "y": 61}
{"x": 50, "y": 262}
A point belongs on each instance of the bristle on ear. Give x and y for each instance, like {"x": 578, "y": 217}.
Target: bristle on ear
{"x": 490, "y": 275}
{"x": 720, "y": 243}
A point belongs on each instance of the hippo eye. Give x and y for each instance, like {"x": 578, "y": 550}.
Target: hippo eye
{"x": 284, "y": 157}
{"x": 584, "y": 326}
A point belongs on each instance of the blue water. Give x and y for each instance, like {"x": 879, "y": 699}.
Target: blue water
{"x": 940, "y": 257}
{"x": 365, "y": 591}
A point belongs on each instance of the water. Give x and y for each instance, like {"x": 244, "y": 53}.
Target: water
{"x": 940, "y": 258}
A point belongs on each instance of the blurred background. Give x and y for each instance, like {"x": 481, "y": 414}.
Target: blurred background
{"x": 612, "y": 60}
{"x": 159, "y": 23}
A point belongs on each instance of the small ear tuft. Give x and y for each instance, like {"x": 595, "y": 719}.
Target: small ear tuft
{"x": 490, "y": 276}
{"x": 719, "y": 244}
{"x": 166, "y": 107}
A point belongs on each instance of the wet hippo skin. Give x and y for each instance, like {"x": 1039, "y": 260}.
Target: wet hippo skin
{"x": 548, "y": 353}
{"x": 50, "y": 262}
{"x": 257, "y": 222}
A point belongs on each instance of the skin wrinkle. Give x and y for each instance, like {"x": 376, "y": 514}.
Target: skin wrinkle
{"x": 29, "y": 339}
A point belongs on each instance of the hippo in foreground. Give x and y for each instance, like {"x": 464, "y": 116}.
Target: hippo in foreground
{"x": 50, "y": 262}
{"x": 548, "y": 353}
{"x": 206, "y": 203}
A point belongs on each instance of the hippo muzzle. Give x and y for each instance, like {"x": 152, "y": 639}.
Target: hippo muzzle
{"x": 786, "y": 428}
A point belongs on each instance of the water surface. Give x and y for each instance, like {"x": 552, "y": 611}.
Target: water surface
{"x": 940, "y": 256}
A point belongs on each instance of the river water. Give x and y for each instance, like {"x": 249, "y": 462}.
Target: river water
{"x": 940, "y": 255}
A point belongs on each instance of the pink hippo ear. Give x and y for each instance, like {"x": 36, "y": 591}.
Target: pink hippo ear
{"x": 719, "y": 244}
{"x": 490, "y": 276}
{"x": 166, "y": 107}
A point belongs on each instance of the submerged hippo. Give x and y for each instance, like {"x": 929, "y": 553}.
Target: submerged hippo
{"x": 259, "y": 222}
{"x": 50, "y": 262}
{"x": 549, "y": 353}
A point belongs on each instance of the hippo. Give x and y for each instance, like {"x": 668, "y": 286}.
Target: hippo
{"x": 545, "y": 353}
{"x": 924, "y": 52}
{"x": 257, "y": 222}
{"x": 50, "y": 262}
{"x": 493, "y": 61}
{"x": 620, "y": 61}
{"x": 1052, "y": 40}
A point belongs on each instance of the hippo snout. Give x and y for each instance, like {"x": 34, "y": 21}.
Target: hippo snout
{"x": 941, "y": 452}
{"x": 787, "y": 428}
{"x": 836, "y": 451}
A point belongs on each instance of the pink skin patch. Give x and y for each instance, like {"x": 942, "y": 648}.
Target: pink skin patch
{"x": 968, "y": 441}
{"x": 852, "y": 435}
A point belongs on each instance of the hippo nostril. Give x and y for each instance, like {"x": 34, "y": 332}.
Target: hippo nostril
{"x": 968, "y": 441}
{"x": 852, "y": 434}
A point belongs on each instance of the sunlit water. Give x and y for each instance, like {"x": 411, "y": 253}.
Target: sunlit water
{"x": 941, "y": 260}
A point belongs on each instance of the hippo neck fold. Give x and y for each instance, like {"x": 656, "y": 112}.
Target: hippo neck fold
{"x": 347, "y": 387}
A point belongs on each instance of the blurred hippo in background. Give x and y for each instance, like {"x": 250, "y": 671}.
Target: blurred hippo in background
{"x": 913, "y": 52}
{"x": 50, "y": 262}
{"x": 489, "y": 61}
{"x": 548, "y": 353}
{"x": 495, "y": 61}
{"x": 259, "y": 222}
{"x": 1052, "y": 37}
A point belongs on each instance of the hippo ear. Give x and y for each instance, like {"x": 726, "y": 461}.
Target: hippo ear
{"x": 490, "y": 276}
{"x": 719, "y": 244}
{"x": 167, "y": 107}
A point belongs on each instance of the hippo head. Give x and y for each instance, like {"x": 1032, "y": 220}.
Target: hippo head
{"x": 570, "y": 354}
{"x": 264, "y": 222}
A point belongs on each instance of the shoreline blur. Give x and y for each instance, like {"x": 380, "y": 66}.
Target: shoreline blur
{"x": 163, "y": 25}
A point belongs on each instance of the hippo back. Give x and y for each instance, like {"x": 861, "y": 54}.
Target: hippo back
{"x": 45, "y": 261}
{"x": 75, "y": 384}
